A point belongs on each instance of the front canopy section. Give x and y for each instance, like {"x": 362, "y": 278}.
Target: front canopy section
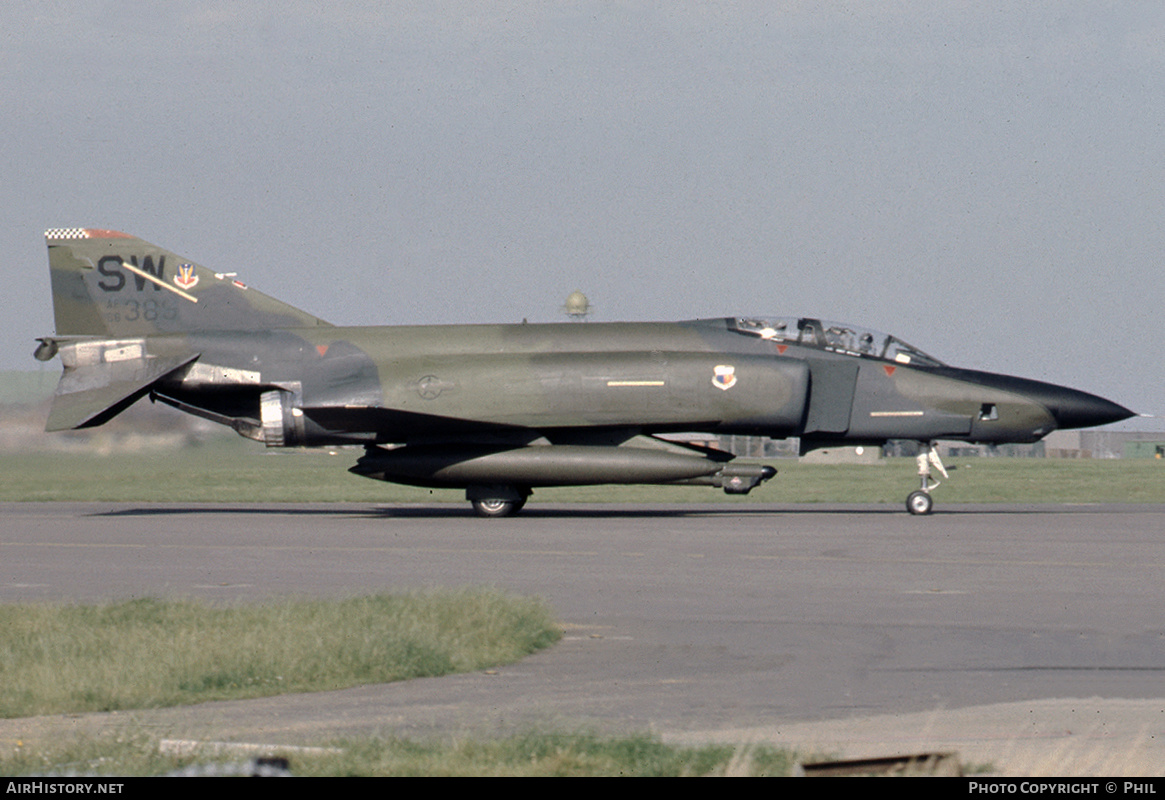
{"x": 833, "y": 336}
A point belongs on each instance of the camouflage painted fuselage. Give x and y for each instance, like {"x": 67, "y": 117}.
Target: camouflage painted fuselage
{"x": 503, "y": 408}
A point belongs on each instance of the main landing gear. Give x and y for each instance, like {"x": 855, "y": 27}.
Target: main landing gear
{"x": 497, "y": 501}
{"x": 920, "y": 502}
{"x": 496, "y": 507}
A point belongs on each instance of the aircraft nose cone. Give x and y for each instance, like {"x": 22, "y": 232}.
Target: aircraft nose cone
{"x": 1070, "y": 408}
{"x": 1074, "y": 409}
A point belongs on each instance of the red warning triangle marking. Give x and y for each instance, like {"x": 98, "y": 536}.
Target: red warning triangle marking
{"x": 889, "y": 369}
{"x": 781, "y": 348}
{"x": 322, "y": 349}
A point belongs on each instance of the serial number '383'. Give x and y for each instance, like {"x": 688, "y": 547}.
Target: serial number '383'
{"x": 134, "y": 310}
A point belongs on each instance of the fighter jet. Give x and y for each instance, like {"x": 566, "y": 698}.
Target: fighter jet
{"x": 499, "y": 410}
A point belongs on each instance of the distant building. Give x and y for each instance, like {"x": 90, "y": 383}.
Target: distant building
{"x": 1144, "y": 449}
{"x": 1097, "y": 443}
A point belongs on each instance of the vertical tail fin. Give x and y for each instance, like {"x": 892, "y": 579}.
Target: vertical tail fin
{"x": 110, "y": 284}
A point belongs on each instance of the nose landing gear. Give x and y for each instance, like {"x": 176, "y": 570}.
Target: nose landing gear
{"x": 920, "y": 502}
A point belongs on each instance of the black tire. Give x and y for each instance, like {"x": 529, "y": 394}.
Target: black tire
{"x": 493, "y": 507}
{"x": 919, "y": 503}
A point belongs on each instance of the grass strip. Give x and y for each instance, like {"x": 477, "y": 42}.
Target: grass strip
{"x": 530, "y": 754}
{"x": 149, "y": 653}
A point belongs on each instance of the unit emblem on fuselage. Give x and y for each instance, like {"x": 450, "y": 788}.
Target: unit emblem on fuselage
{"x": 724, "y": 376}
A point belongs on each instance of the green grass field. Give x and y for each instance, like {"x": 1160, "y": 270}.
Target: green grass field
{"x": 147, "y": 653}
{"x": 235, "y": 470}
{"x": 67, "y": 659}
{"x": 531, "y": 754}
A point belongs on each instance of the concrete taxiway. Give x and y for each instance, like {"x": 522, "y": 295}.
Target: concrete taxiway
{"x": 1017, "y": 635}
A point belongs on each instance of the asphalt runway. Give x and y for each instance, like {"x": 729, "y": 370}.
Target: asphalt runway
{"x": 1001, "y": 631}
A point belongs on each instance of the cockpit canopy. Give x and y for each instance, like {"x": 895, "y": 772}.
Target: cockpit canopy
{"x": 834, "y": 337}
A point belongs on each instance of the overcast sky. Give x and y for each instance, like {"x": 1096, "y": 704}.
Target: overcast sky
{"x": 983, "y": 180}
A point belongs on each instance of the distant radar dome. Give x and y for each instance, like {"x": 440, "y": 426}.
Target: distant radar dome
{"x": 577, "y": 306}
